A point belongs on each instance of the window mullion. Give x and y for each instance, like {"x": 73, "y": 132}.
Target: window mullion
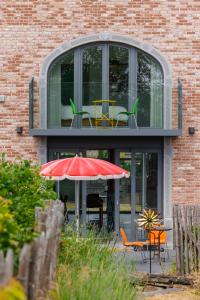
{"x": 78, "y": 83}
{"x": 144, "y": 180}
{"x": 133, "y": 193}
{"x": 105, "y": 72}
{"x": 132, "y": 84}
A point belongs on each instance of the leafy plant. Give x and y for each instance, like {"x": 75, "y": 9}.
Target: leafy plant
{"x": 8, "y": 227}
{"x": 22, "y": 184}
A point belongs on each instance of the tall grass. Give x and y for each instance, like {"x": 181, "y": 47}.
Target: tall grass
{"x": 89, "y": 270}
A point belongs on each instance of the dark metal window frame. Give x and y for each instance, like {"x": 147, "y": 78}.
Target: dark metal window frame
{"x": 131, "y": 131}
{"x": 78, "y": 75}
{"x": 117, "y": 151}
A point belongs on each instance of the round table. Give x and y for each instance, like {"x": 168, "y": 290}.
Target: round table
{"x": 160, "y": 229}
{"x": 105, "y": 111}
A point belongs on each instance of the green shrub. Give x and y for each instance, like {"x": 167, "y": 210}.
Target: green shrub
{"x": 8, "y": 227}
{"x": 22, "y": 184}
{"x": 90, "y": 270}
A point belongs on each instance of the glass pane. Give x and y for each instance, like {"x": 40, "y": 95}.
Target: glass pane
{"x": 97, "y": 196}
{"x": 67, "y": 190}
{"x": 125, "y": 194}
{"x": 67, "y": 79}
{"x": 118, "y": 83}
{"x": 67, "y": 89}
{"x": 92, "y": 83}
{"x": 60, "y": 89}
{"x": 139, "y": 168}
{"x": 152, "y": 180}
{"x": 150, "y": 92}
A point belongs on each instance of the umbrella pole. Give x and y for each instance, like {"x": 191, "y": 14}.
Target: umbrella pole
{"x": 77, "y": 200}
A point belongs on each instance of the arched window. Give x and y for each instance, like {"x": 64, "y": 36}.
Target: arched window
{"x": 105, "y": 71}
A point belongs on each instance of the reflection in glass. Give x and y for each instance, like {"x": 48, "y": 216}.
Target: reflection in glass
{"x": 125, "y": 194}
{"x": 92, "y": 81}
{"x": 97, "y": 195}
{"x": 67, "y": 190}
{"x": 152, "y": 179}
{"x": 146, "y": 180}
{"x": 60, "y": 88}
{"x": 67, "y": 79}
{"x": 103, "y": 71}
{"x": 118, "y": 81}
{"x": 150, "y": 91}
{"x": 139, "y": 181}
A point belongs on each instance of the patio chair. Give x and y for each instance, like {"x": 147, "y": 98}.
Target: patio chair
{"x": 130, "y": 113}
{"x": 137, "y": 245}
{"x": 94, "y": 201}
{"x": 154, "y": 237}
{"x": 78, "y": 113}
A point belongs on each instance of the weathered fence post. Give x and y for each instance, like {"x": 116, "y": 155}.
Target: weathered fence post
{"x": 24, "y": 263}
{"x": 6, "y": 266}
{"x": 177, "y": 242}
{"x": 186, "y": 220}
{"x": 2, "y": 268}
{"x": 37, "y": 262}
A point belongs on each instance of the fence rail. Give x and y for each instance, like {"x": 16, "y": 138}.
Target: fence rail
{"x": 186, "y": 219}
{"x": 37, "y": 261}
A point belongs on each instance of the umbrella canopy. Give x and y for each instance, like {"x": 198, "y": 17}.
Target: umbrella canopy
{"x": 81, "y": 168}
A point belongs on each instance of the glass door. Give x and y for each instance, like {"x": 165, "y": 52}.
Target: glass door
{"x": 96, "y": 196}
{"x": 108, "y": 204}
{"x": 146, "y": 181}
{"x": 99, "y": 198}
{"x": 125, "y": 194}
{"x": 142, "y": 190}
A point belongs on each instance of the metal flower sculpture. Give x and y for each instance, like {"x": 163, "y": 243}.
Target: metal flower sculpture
{"x": 149, "y": 219}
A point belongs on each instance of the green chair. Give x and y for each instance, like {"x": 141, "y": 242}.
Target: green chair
{"x": 78, "y": 113}
{"x": 130, "y": 113}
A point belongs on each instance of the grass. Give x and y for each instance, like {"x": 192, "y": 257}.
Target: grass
{"x": 88, "y": 269}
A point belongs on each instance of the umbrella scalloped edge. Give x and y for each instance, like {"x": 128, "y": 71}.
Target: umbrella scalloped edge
{"x": 96, "y": 177}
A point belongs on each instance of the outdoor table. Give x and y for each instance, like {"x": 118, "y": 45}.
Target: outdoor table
{"x": 105, "y": 111}
{"x": 160, "y": 229}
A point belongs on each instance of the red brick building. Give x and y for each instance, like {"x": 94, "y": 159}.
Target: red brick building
{"x": 114, "y": 50}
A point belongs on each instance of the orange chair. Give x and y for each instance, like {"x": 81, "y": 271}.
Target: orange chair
{"x": 158, "y": 238}
{"x": 138, "y": 246}
{"x": 155, "y": 235}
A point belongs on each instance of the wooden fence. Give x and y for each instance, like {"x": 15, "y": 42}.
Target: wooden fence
{"x": 186, "y": 224}
{"x": 37, "y": 262}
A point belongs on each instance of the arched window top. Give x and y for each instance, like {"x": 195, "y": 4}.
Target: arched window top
{"x": 146, "y": 56}
{"x": 105, "y": 70}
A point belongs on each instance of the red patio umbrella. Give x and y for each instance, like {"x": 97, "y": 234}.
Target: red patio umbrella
{"x": 81, "y": 168}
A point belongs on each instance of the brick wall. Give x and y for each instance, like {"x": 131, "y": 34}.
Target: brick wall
{"x": 30, "y": 30}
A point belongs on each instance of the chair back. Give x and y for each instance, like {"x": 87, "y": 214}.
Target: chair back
{"x": 93, "y": 200}
{"x": 155, "y": 235}
{"x": 73, "y": 107}
{"x": 124, "y": 237}
{"x": 135, "y": 106}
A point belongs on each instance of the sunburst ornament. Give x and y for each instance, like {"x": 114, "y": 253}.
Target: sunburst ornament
{"x": 149, "y": 219}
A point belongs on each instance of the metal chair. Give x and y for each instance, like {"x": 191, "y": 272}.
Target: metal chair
{"x": 94, "y": 201}
{"x": 158, "y": 239}
{"x": 78, "y": 113}
{"x": 137, "y": 245}
{"x": 130, "y": 113}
